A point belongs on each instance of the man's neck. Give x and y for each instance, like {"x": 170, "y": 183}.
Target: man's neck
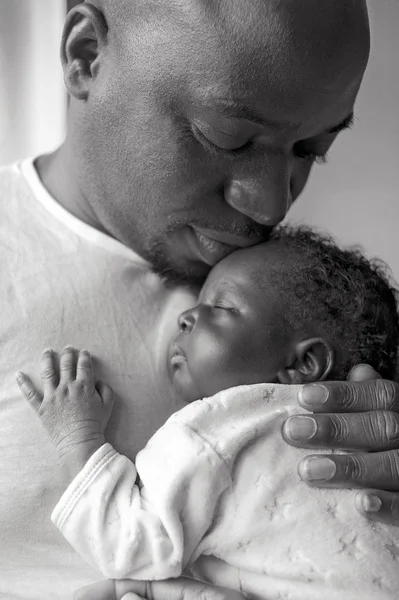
{"x": 57, "y": 176}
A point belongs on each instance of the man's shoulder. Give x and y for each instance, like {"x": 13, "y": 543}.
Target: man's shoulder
{"x": 9, "y": 172}
{"x": 12, "y": 185}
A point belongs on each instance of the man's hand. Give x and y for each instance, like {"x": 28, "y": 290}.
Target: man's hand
{"x": 173, "y": 589}
{"x": 359, "y": 414}
{"x": 73, "y": 409}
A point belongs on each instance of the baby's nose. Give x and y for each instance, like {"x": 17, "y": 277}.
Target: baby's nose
{"x": 186, "y": 321}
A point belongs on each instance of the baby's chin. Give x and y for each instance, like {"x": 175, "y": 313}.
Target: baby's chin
{"x": 182, "y": 385}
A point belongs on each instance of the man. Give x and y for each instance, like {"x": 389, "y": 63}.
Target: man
{"x": 193, "y": 126}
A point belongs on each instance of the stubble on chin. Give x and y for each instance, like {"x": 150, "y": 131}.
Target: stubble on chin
{"x": 175, "y": 275}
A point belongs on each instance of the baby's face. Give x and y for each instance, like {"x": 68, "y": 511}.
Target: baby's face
{"x": 234, "y": 336}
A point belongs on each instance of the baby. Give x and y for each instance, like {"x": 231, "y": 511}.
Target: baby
{"x": 215, "y": 491}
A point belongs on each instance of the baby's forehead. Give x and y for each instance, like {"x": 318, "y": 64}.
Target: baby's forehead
{"x": 257, "y": 259}
{"x": 252, "y": 265}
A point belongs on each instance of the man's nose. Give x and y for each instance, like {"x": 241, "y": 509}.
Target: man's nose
{"x": 186, "y": 321}
{"x": 263, "y": 198}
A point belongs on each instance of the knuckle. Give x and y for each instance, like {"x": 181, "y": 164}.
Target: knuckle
{"x": 339, "y": 430}
{"x": 30, "y": 394}
{"x": 48, "y": 373}
{"x": 350, "y": 396}
{"x": 354, "y": 468}
{"x": 66, "y": 366}
{"x": 384, "y": 427}
{"x": 385, "y": 394}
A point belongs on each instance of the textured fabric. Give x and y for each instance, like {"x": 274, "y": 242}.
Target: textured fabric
{"x": 63, "y": 282}
{"x": 218, "y": 492}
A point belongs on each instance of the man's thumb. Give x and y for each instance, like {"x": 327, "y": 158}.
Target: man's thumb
{"x": 363, "y": 373}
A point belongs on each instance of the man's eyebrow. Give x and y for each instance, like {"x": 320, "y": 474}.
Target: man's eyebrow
{"x": 235, "y": 111}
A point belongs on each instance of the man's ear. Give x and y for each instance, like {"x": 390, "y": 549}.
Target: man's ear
{"x": 83, "y": 38}
{"x": 313, "y": 361}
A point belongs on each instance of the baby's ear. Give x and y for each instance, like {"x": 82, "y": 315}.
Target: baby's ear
{"x": 313, "y": 361}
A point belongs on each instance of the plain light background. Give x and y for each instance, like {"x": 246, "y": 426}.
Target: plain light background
{"x": 354, "y": 196}
{"x": 32, "y": 93}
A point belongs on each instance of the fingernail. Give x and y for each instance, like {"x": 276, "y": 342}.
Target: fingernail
{"x": 313, "y": 395}
{"x": 69, "y": 347}
{"x": 364, "y": 366}
{"x": 48, "y": 350}
{"x": 371, "y": 503}
{"x": 300, "y": 428}
{"x": 319, "y": 469}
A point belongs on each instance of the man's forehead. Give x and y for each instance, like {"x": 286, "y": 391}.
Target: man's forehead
{"x": 297, "y": 56}
{"x": 269, "y": 48}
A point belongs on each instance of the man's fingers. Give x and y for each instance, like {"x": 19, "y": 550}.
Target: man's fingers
{"x": 378, "y": 470}
{"x": 182, "y": 588}
{"x": 363, "y": 373}
{"x": 378, "y": 430}
{"x": 68, "y": 365}
{"x": 350, "y": 396}
{"x": 84, "y": 367}
{"x": 131, "y": 596}
{"x": 378, "y": 505}
{"x": 175, "y": 589}
{"x": 28, "y": 390}
{"x": 48, "y": 371}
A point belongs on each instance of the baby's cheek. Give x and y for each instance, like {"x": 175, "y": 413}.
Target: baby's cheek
{"x": 211, "y": 365}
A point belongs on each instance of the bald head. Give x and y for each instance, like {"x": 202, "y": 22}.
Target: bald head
{"x": 279, "y": 21}
{"x": 204, "y": 117}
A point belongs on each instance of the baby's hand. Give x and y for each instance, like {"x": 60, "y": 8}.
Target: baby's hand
{"x": 74, "y": 411}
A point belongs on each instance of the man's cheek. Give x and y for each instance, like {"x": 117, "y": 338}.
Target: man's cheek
{"x": 299, "y": 178}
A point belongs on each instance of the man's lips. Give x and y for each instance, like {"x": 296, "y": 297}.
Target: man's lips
{"x": 237, "y": 241}
{"x": 213, "y": 246}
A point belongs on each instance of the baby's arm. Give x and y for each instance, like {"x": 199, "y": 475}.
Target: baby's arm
{"x": 124, "y": 531}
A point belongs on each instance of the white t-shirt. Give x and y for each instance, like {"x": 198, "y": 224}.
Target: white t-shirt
{"x": 63, "y": 282}
{"x": 219, "y": 492}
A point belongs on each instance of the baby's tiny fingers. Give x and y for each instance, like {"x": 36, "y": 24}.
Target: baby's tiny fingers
{"x": 67, "y": 365}
{"x": 84, "y": 367}
{"x": 106, "y": 393}
{"x": 28, "y": 390}
{"x": 48, "y": 372}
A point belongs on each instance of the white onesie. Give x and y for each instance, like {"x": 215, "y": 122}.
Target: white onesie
{"x": 216, "y": 491}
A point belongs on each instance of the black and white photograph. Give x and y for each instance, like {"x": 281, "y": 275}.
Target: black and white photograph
{"x": 199, "y": 300}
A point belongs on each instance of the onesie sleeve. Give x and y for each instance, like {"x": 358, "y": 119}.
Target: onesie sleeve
{"x": 144, "y": 522}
